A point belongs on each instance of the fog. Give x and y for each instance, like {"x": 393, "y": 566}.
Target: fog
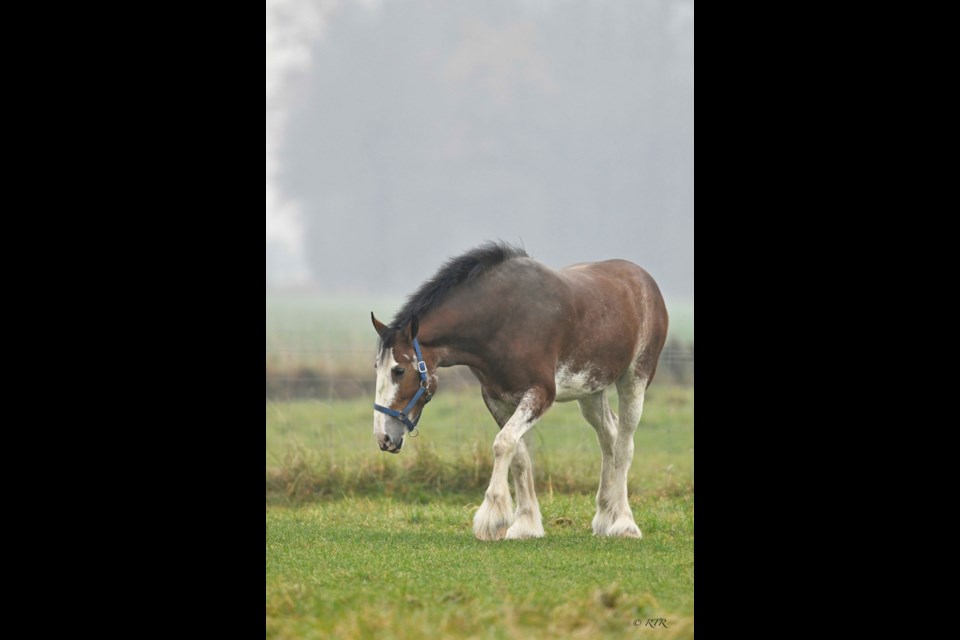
{"x": 402, "y": 132}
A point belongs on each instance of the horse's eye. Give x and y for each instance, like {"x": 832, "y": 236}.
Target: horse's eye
{"x": 398, "y": 371}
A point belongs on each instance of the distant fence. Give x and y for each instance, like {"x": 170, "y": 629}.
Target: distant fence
{"x": 319, "y": 373}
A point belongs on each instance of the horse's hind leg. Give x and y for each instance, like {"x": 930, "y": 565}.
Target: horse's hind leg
{"x": 596, "y": 410}
{"x": 631, "y": 389}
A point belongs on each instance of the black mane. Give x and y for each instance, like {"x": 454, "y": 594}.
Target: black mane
{"x": 454, "y": 272}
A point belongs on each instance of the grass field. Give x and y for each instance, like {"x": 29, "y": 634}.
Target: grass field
{"x": 382, "y": 568}
{"x": 362, "y": 544}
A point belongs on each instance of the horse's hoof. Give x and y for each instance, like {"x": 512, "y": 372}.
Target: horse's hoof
{"x": 524, "y": 530}
{"x": 624, "y": 529}
{"x": 491, "y": 534}
{"x": 493, "y": 518}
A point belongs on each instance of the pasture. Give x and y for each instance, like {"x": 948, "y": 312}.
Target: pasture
{"x": 362, "y": 544}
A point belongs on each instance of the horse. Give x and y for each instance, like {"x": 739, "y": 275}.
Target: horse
{"x": 532, "y": 336}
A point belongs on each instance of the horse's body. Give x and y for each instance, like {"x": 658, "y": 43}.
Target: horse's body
{"x": 532, "y": 336}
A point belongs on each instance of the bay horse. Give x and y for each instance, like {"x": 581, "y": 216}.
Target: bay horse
{"x": 532, "y": 336}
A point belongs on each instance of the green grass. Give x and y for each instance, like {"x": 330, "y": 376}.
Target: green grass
{"x": 361, "y": 544}
{"x": 320, "y": 449}
{"x": 382, "y": 568}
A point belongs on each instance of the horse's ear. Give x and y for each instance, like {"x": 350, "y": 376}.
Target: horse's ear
{"x": 379, "y": 326}
{"x": 414, "y": 327}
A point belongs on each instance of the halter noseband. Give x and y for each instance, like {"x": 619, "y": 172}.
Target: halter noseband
{"x": 423, "y": 390}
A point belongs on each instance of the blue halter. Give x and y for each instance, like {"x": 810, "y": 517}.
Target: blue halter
{"x": 424, "y": 389}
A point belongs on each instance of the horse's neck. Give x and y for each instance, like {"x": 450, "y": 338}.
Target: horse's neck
{"x": 455, "y": 338}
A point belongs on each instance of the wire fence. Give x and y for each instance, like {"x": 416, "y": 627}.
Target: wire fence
{"x": 338, "y": 372}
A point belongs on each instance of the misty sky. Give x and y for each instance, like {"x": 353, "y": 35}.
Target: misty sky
{"x": 402, "y": 132}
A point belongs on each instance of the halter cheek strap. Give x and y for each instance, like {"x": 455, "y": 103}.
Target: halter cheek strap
{"x": 404, "y": 416}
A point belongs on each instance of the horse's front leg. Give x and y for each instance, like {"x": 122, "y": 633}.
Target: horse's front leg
{"x": 527, "y": 523}
{"x": 496, "y": 513}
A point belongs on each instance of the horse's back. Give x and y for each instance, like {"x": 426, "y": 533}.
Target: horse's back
{"x": 585, "y": 326}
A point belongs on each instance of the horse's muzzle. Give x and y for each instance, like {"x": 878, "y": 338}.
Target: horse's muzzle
{"x": 388, "y": 445}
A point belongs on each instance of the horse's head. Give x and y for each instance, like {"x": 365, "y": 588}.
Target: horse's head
{"x": 403, "y": 384}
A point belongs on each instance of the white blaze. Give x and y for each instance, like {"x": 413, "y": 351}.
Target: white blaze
{"x": 387, "y": 391}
